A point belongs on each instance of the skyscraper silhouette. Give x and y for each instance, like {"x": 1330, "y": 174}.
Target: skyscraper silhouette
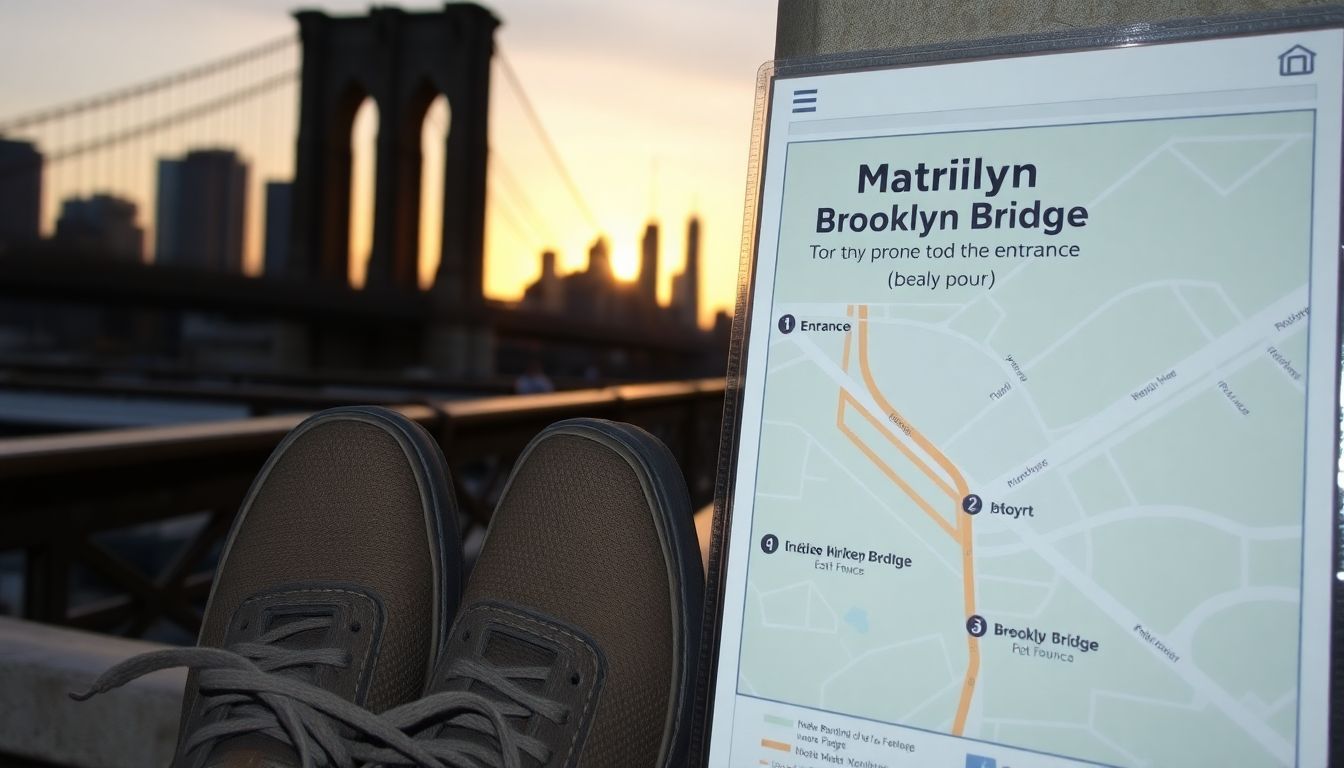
{"x": 648, "y": 266}
{"x": 101, "y": 224}
{"x": 279, "y": 227}
{"x": 595, "y": 294}
{"x": 686, "y": 286}
{"x": 20, "y": 193}
{"x": 599, "y": 260}
{"x": 202, "y": 199}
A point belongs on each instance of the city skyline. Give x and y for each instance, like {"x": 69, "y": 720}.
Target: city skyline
{"x": 595, "y": 293}
{"x": 662, "y": 136}
{"x": 200, "y": 197}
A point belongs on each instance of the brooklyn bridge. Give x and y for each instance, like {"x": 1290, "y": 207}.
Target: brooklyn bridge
{"x": 192, "y": 263}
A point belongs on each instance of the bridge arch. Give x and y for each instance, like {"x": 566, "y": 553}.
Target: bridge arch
{"x": 404, "y": 61}
{"x": 436, "y": 125}
{"x": 361, "y": 132}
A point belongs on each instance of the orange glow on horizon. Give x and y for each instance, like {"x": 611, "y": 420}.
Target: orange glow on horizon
{"x": 624, "y": 262}
{"x": 513, "y": 249}
{"x": 363, "y": 170}
{"x": 433, "y": 134}
{"x": 648, "y": 104}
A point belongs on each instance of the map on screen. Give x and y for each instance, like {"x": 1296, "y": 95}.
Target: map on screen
{"x": 1024, "y": 472}
{"x": 1028, "y": 446}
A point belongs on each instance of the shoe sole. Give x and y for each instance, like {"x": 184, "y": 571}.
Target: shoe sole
{"x": 431, "y": 476}
{"x": 658, "y": 473}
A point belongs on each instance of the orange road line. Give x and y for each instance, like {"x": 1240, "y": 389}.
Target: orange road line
{"x": 779, "y": 745}
{"x": 928, "y": 508}
{"x": 915, "y": 435}
{"x": 964, "y": 522}
{"x": 889, "y": 471}
{"x": 880, "y": 426}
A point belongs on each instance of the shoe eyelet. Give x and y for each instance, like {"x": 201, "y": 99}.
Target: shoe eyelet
{"x": 575, "y": 679}
{"x": 355, "y": 626}
{"x": 466, "y": 635}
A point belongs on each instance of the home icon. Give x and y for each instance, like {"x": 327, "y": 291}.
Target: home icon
{"x": 1298, "y": 60}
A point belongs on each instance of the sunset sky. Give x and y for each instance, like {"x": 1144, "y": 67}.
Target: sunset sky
{"x": 649, "y": 103}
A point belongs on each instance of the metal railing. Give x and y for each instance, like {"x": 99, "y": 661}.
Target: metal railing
{"x": 68, "y": 501}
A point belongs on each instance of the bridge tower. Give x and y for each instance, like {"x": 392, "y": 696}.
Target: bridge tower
{"x": 403, "y": 61}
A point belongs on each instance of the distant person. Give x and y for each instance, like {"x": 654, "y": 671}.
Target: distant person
{"x": 534, "y": 381}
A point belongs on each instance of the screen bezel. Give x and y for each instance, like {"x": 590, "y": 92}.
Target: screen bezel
{"x": 1178, "y": 31}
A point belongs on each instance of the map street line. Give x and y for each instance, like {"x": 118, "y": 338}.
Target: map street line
{"x": 848, "y": 385}
{"x": 1272, "y": 742}
{"x": 1104, "y": 307}
{"x": 963, "y": 533}
{"x": 919, "y": 439}
{"x": 877, "y": 498}
{"x": 1151, "y": 512}
{"x": 1252, "y": 331}
{"x": 846, "y": 399}
{"x": 1184, "y": 632}
{"x": 1192, "y": 369}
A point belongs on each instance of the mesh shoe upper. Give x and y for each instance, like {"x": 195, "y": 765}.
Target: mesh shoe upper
{"x": 353, "y": 501}
{"x": 592, "y": 547}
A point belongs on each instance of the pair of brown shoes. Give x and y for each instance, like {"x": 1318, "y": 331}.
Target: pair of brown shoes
{"x": 335, "y": 635}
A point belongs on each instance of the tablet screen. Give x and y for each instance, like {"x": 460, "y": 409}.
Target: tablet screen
{"x": 1036, "y": 459}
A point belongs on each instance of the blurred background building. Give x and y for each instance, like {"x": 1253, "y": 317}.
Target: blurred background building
{"x": 196, "y": 237}
{"x": 103, "y": 225}
{"x": 193, "y": 259}
{"x": 202, "y": 200}
{"x": 20, "y": 194}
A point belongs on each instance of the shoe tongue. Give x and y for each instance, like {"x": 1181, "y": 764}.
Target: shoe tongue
{"x": 503, "y": 651}
{"x": 303, "y": 640}
{"x": 506, "y": 650}
{"x": 255, "y": 750}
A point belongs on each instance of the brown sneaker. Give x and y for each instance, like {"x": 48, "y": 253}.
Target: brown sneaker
{"x": 576, "y": 641}
{"x": 333, "y": 596}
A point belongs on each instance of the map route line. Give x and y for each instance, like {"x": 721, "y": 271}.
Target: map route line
{"x": 877, "y": 498}
{"x": 891, "y": 474}
{"x": 928, "y": 471}
{"x": 848, "y": 399}
{"x": 923, "y": 442}
{"x": 870, "y": 415}
{"x": 963, "y": 528}
{"x": 989, "y": 352}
